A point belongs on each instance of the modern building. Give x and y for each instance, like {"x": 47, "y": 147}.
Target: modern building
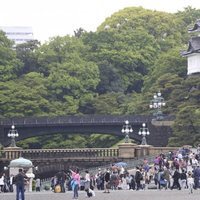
{"x": 19, "y": 34}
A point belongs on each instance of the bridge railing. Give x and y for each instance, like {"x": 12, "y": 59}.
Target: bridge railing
{"x": 35, "y": 154}
{"x": 84, "y": 119}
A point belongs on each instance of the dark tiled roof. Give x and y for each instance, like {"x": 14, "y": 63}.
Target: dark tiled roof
{"x": 196, "y": 27}
{"x": 194, "y": 46}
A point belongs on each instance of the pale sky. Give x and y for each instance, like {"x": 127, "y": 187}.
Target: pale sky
{"x": 50, "y": 18}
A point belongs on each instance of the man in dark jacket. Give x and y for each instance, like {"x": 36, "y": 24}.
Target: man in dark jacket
{"x": 138, "y": 178}
{"x": 176, "y": 178}
{"x": 196, "y": 175}
{"x": 19, "y": 180}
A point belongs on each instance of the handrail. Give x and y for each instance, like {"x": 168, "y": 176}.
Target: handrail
{"x": 59, "y": 153}
{"x": 84, "y": 119}
{"x": 78, "y": 153}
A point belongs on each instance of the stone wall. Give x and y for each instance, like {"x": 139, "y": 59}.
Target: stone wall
{"x": 128, "y": 150}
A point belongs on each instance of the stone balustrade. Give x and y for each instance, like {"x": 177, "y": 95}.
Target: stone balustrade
{"x": 37, "y": 154}
{"x": 124, "y": 151}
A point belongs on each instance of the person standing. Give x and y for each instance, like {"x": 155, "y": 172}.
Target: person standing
{"x": 176, "y": 178}
{"x": 183, "y": 180}
{"x": 54, "y": 182}
{"x": 11, "y": 183}
{"x": 87, "y": 180}
{"x": 138, "y": 178}
{"x": 2, "y": 177}
{"x": 166, "y": 176}
{"x": 61, "y": 176}
{"x": 38, "y": 184}
{"x": 19, "y": 180}
{"x": 100, "y": 180}
{"x": 196, "y": 174}
{"x": 190, "y": 182}
{"x": 107, "y": 181}
{"x": 75, "y": 183}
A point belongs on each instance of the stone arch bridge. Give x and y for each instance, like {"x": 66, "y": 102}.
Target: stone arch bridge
{"x": 86, "y": 124}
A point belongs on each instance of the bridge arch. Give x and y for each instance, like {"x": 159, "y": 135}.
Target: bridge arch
{"x": 87, "y": 124}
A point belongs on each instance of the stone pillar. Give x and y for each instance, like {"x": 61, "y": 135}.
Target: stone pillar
{"x": 12, "y": 152}
{"x": 144, "y": 150}
{"x": 138, "y": 152}
{"x": 126, "y": 150}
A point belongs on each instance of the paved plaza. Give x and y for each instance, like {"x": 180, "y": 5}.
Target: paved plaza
{"x": 113, "y": 195}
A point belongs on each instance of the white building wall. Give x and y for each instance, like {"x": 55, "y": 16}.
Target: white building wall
{"x": 193, "y": 63}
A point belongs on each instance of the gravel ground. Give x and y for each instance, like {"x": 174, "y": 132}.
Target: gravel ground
{"x": 113, "y": 195}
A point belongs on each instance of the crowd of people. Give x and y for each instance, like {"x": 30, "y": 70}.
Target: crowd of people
{"x": 6, "y": 183}
{"x": 19, "y": 180}
{"x": 175, "y": 170}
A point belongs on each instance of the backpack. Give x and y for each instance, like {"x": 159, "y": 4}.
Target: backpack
{"x": 57, "y": 189}
{"x": 162, "y": 176}
{"x": 183, "y": 176}
{"x": 156, "y": 176}
{"x": 138, "y": 176}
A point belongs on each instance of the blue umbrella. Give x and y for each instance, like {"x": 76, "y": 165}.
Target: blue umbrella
{"x": 121, "y": 164}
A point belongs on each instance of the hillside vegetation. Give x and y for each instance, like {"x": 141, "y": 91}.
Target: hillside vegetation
{"x": 115, "y": 70}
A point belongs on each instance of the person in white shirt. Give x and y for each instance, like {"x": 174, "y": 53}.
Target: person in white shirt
{"x": 11, "y": 183}
{"x": 190, "y": 182}
{"x": 87, "y": 180}
{"x": 180, "y": 156}
{"x": 37, "y": 184}
{"x": 2, "y": 177}
{"x": 122, "y": 170}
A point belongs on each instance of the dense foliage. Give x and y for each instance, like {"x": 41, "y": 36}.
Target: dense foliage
{"x": 115, "y": 70}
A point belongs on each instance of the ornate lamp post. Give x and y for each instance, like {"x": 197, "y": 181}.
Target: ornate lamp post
{"x": 13, "y": 134}
{"x": 126, "y": 129}
{"x": 156, "y": 103}
{"x": 5, "y": 168}
{"x": 6, "y": 171}
{"x": 144, "y": 131}
{"x": 36, "y": 171}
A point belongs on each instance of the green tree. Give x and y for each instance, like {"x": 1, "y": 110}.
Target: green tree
{"x": 170, "y": 62}
{"x": 72, "y": 79}
{"x": 109, "y": 103}
{"x": 9, "y": 64}
{"x": 24, "y": 97}
{"x": 115, "y": 70}
{"x": 26, "y": 53}
{"x": 187, "y": 124}
{"x": 187, "y": 127}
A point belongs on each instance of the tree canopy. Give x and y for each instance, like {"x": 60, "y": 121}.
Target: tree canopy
{"x": 115, "y": 70}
